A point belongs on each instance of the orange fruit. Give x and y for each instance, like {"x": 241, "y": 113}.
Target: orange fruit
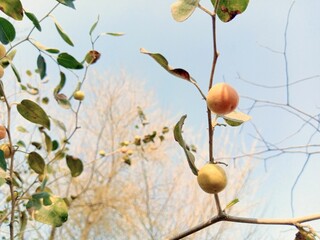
{"x": 6, "y": 148}
{"x": 3, "y": 132}
{"x": 222, "y": 99}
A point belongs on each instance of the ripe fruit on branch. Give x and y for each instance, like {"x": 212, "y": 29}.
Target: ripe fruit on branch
{"x": 212, "y": 178}
{"x": 6, "y": 148}
{"x": 78, "y": 95}
{"x": 222, "y": 99}
{"x": 3, "y": 132}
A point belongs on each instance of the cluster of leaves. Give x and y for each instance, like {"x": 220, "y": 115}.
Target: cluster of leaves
{"x": 40, "y": 201}
{"x": 138, "y": 144}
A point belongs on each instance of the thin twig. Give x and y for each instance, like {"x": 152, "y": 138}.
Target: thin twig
{"x": 285, "y": 52}
{"x": 296, "y": 181}
{"x": 11, "y": 169}
{"x": 204, "y": 9}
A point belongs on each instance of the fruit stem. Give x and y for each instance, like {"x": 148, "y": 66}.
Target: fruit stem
{"x": 218, "y": 205}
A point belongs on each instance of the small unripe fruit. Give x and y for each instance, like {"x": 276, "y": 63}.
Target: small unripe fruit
{"x": 212, "y": 178}
{"x": 1, "y": 71}
{"x": 3, "y": 51}
{"x": 6, "y": 148}
{"x": 124, "y": 149}
{"x": 222, "y": 99}
{"x": 137, "y": 140}
{"x": 102, "y": 153}
{"x": 15, "y": 195}
{"x": 3, "y": 132}
{"x": 78, "y": 95}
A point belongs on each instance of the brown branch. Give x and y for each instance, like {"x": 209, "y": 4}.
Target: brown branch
{"x": 261, "y": 221}
{"x": 11, "y": 168}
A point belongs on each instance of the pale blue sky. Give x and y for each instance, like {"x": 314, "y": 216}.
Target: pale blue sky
{"x": 149, "y": 24}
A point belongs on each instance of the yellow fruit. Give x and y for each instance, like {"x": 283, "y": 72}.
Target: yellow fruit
{"x": 102, "y": 153}
{"x": 3, "y": 51}
{"x": 212, "y": 178}
{"x": 78, "y": 95}
{"x": 1, "y": 71}
{"x": 3, "y": 132}
{"x": 6, "y": 148}
{"x": 222, "y": 99}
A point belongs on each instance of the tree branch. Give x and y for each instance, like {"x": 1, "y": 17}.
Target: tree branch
{"x": 262, "y": 221}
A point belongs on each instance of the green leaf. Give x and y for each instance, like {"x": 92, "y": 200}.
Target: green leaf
{"x": 114, "y": 34}
{"x": 178, "y": 137}
{"x": 37, "y": 145}
{"x": 40, "y": 195}
{"x": 45, "y": 100}
{"x": 21, "y": 143}
{"x": 53, "y": 50}
{"x": 236, "y": 118}
{"x": 68, "y": 3}
{"x": 34, "y": 20}
{"x": 48, "y": 142}
{"x": 183, "y": 9}
{"x": 23, "y": 87}
{"x": 12, "y": 8}
{"x": 44, "y": 48}
{"x": 3, "y": 163}
{"x": 15, "y": 71}
{"x": 2, "y": 182}
{"x": 62, "y": 34}
{"x": 178, "y": 72}
{"x": 42, "y": 67}
{"x": 75, "y": 165}
{"x": 54, "y": 214}
{"x": 32, "y": 90}
{"x": 36, "y": 162}
{"x": 7, "y": 31}
{"x": 94, "y": 26}
{"x": 232, "y": 203}
{"x": 23, "y": 224}
{"x": 228, "y": 10}
{"x": 61, "y": 84}
{"x": 59, "y": 155}
{"x": 63, "y": 101}
{"x": 33, "y": 113}
{"x": 60, "y": 124}
{"x": 22, "y": 129}
{"x": 55, "y": 145}
{"x": 1, "y": 89}
{"x": 68, "y": 61}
